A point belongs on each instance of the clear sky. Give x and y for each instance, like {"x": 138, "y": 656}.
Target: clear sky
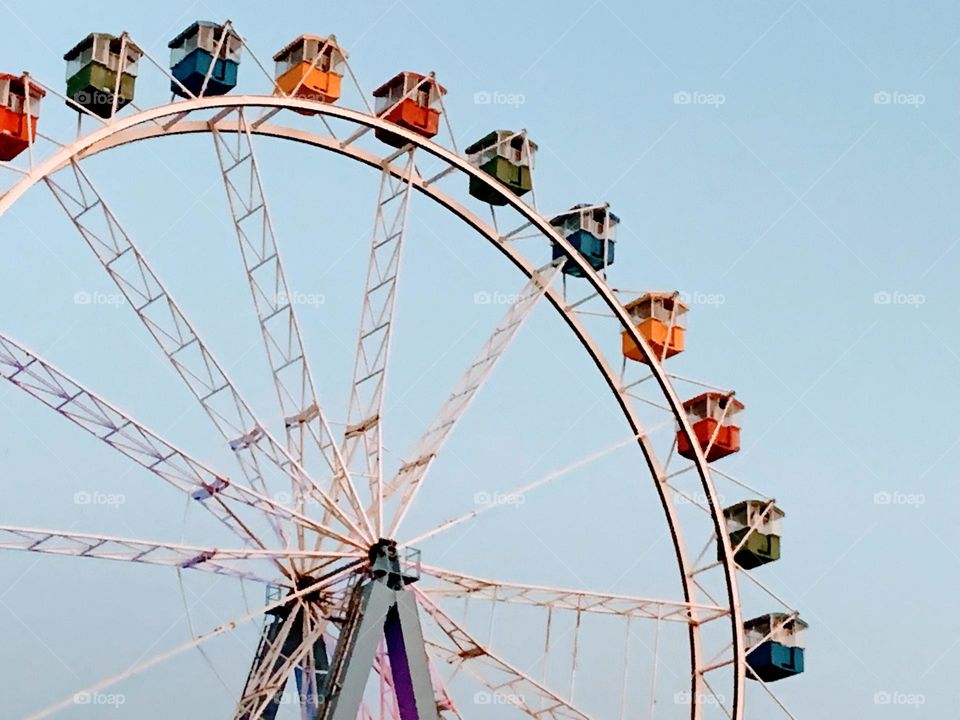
{"x": 791, "y": 165}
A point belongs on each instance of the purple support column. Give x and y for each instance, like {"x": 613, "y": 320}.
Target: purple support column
{"x": 400, "y": 666}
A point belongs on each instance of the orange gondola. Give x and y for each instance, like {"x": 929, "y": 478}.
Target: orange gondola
{"x": 660, "y": 319}
{"x": 412, "y": 101}
{"x": 713, "y": 416}
{"x": 310, "y": 67}
{"x": 19, "y": 112}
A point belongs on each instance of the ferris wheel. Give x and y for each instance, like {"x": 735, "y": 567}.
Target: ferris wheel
{"x": 363, "y": 618}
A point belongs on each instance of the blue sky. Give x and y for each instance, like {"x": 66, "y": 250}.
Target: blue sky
{"x": 792, "y": 164}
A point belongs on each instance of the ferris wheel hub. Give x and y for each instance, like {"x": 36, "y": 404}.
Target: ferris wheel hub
{"x": 397, "y": 568}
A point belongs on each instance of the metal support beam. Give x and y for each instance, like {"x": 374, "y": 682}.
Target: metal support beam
{"x": 408, "y": 660}
{"x": 177, "y": 338}
{"x": 409, "y": 478}
{"x": 381, "y": 607}
{"x": 273, "y": 300}
{"x": 376, "y": 323}
{"x": 280, "y": 642}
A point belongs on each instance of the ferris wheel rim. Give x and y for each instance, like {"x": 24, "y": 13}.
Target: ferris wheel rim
{"x": 144, "y": 125}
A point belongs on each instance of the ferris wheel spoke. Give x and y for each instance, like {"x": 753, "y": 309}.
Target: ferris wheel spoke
{"x": 770, "y": 693}
{"x": 189, "y": 355}
{"x": 109, "y": 547}
{"x": 79, "y": 405}
{"x": 520, "y": 491}
{"x": 410, "y": 477}
{"x": 279, "y": 326}
{"x": 212, "y": 490}
{"x": 186, "y": 646}
{"x": 376, "y": 324}
{"x": 718, "y": 700}
{"x": 462, "y": 586}
{"x": 445, "y": 702}
{"x": 462, "y": 651}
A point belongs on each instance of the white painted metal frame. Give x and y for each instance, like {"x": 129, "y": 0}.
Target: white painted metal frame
{"x": 176, "y": 555}
{"x": 458, "y": 585}
{"x": 364, "y": 430}
{"x": 211, "y": 489}
{"x": 145, "y": 125}
{"x": 409, "y": 478}
{"x": 183, "y": 347}
{"x": 279, "y": 326}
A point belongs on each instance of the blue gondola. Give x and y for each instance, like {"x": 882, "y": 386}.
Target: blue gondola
{"x": 591, "y": 229}
{"x": 774, "y": 646}
{"x": 192, "y": 52}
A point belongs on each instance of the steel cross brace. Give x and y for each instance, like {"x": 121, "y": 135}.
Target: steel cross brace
{"x": 291, "y": 640}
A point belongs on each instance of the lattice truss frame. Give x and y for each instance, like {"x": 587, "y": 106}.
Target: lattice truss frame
{"x": 358, "y": 504}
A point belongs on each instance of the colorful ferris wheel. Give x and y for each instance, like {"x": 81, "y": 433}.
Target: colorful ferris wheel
{"x": 361, "y": 618}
